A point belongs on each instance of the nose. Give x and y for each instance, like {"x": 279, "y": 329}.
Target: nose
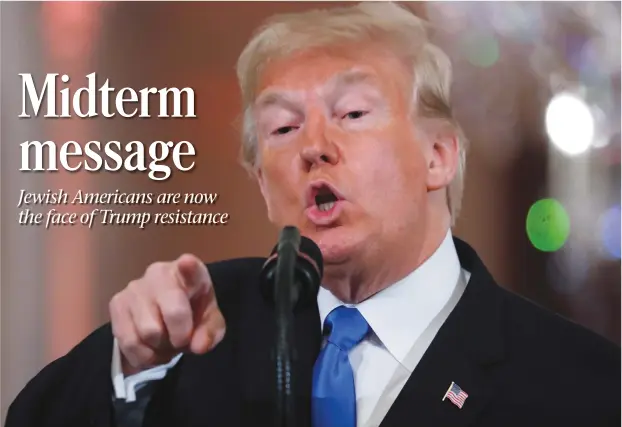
{"x": 319, "y": 149}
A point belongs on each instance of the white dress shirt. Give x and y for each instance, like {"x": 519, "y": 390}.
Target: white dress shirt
{"x": 397, "y": 316}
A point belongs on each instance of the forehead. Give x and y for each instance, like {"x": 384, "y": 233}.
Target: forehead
{"x": 322, "y": 69}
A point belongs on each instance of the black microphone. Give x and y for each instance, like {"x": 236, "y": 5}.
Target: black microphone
{"x": 308, "y": 267}
{"x": 290, "y": 279}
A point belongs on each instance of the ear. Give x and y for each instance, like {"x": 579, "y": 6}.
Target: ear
{"x": 263, "y": 188}
{"x": 443, "y": 159}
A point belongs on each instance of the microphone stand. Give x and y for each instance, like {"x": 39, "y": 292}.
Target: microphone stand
{"x": 284, "y": 295}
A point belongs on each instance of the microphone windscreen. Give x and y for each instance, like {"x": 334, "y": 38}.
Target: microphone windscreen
{"x": 310, "y": 249}
{"x": 308, "y": 270}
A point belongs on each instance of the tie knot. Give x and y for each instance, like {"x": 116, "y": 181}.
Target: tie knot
{"x": 346, "y": 327}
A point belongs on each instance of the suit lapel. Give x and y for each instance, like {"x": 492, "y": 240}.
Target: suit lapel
{"x": 308, "y": 342}
{"x": 256, "y": 361}
{"x": 467, "y": 350}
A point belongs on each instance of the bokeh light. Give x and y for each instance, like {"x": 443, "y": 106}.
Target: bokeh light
{"x": 569, "y": 124}
{"x": 593, "y": 60}
{"x": 481, "y": 49}
{"x": 548, "y": 225}
{"x": 603, "y": 19}
{"x": 610, "y": 231}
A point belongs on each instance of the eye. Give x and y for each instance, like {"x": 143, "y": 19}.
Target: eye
{"x": 284, "y": 130}
{"x": 355, "y": 114}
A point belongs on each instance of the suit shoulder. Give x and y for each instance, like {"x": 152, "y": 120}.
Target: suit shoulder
{"x": 551, "y": 335}
{"x": 550, "y": 352}
{"x": 236, "y": 266}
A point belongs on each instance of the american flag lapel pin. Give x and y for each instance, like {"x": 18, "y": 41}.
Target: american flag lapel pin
{"x": 456, "y": 395}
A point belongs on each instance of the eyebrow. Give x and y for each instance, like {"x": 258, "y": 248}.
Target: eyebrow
{"x": 336, "y": 83}
{"x": 352, "y": 77}
{"x": 342, "y": 82}
{"x": 270, "y": 98}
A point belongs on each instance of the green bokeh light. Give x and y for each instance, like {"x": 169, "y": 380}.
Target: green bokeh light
{"x": 548, "y": 225}
{"x": 482, "y": 50}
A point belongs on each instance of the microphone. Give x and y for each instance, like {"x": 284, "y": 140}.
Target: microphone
{"x": 289, "y": 280}
{"x": 305, "y": 258}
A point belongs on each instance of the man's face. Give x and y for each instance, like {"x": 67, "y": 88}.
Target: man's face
{"x": 338, "y": 153}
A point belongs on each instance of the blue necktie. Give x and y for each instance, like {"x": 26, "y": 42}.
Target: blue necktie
{"x": 334, "y": 398}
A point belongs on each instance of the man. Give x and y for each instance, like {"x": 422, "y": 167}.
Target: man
{"x": 348, "y": 130}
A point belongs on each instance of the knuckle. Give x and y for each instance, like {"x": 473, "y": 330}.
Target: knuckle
{"x": 134, "y": 285}
{"x": 149, "y": 359}
{"x": 149, "y": 331}
{"x": 140, "y": 358}
{"x": 115, "y": 303}
{"x": 116, "y": 309}
{"x": 129, "y": 345}
{"x": 156, "y": 268}
{"x": 176, "y": 311}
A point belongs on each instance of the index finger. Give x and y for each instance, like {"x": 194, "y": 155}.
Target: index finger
{"x": 192, "y": 274}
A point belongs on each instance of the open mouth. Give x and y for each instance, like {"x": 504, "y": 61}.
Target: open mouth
{"x": 323, "y": 197}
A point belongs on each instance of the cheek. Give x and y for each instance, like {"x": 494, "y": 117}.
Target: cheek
{"x": 279, "y": 161}
{"x": 392, "y": 173}
{"x": 409, "y": 161}
{"x": 279, "y": 185}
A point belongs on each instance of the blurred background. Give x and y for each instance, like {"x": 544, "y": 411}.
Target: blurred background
{"x": 537, "y": 90}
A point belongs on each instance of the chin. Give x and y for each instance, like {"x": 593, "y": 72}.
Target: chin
{"x": 336, "y": 243}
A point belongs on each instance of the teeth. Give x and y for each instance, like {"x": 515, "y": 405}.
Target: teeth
{"x": 326, "y": 206}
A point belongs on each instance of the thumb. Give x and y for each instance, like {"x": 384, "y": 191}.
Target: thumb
{"x": 192, "y": 275}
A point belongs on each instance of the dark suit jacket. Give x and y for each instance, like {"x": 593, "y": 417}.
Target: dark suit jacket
{"x": 521, "y": 366}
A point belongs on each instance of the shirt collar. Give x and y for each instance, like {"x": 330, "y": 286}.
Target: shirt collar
{"x": 399, "y": 314}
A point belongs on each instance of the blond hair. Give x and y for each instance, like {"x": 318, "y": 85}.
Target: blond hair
{"x": 385, "y": 22}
